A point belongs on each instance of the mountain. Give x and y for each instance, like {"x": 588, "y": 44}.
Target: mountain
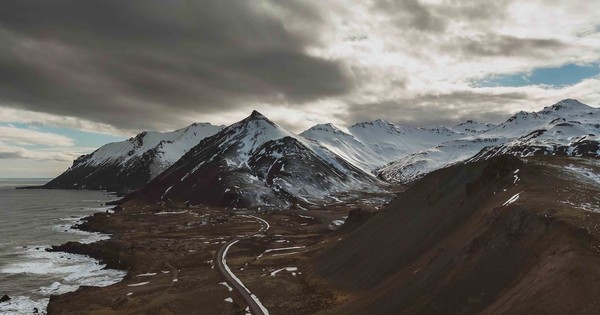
{"x": 472, "y": 127}
{"x": 500, "y": 236}
{"x": 255, "y": 163}
{"x": 567, "y": 127}
{"x": 371, "y": 145}
{"x": 448, "y": 153}
{"x": 228, "y": 164}
{"x": 127, "y": 165}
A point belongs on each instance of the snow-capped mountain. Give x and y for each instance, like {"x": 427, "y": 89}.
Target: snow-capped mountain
{"x": 254, "y": 163}
{"x": 471, "y": 127}
{"x": 440, "y": 156}
{"x": 371, "y": 145}
{"x": 567, "y": 127}
{"x": 127, "y": 165}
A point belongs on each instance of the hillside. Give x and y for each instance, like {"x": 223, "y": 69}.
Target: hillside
{"x": 500, "y": 236}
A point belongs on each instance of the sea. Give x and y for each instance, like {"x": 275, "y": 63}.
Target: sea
{"x": 30, "y": 222}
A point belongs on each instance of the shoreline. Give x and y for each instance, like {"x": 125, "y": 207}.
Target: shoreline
{"x": 169, "y": 257}
{"x": 70, "y": 269}
{"x": 86, "y": 249}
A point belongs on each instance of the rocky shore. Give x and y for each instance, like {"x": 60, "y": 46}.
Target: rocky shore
{"x": 169, "y": 258}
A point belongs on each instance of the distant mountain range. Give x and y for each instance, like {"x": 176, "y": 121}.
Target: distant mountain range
{"x": 565, "y": 128}
{"x": 256, "y": 163}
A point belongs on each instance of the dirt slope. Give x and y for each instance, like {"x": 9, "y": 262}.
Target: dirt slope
{"x": 454, "y": 244}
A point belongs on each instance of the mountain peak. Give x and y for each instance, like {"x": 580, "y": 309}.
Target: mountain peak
{"x": 326, "y": 127}
{"x": 257, "y": 115}
{"x": 468, "y": 122}
{"x": 568, "y": 103}
{"x": 375, "y": 123}
{"x": 383, "y": 122}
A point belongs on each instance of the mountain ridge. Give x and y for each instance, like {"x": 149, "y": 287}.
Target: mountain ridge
{"x": 230, "y": 169}
{"x": 127, "y": 165}
{"x": 556, "y": 129}
{"x": 368, "y": 151}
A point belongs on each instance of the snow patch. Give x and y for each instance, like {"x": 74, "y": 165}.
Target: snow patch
{"x": 226, "y": 285}
{"x": 512, "y": 199}
{"x": 289, "y": 269}
{"x": 138, "y": 284}
{"x": 150, "y": 274}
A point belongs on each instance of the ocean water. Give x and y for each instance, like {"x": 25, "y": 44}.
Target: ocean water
{"x": 30, "y": 222}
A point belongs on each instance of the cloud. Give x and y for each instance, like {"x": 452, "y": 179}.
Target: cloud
{"x": 31, "y": 137}
{"x": 442, "y": 109}
{"x": 16, "y": 152}
{"x": 33, "y": 118}
{"x": 119, "y": 67}
{"x": 151, "y": 64}
{"x": 411, "y": 13}
{"x": 495, "y": 45}
{"x": 480, "y": 104}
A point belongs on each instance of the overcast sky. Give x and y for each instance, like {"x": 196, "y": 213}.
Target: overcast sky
{"x": 75, "y": 74}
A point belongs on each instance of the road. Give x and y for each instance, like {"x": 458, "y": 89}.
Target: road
{"x": 253, "y": 302}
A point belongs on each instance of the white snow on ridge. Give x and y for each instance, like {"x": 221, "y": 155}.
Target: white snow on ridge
{"x": 248, "y": 135}
{"x": 440, "y": 156}
{"x": 562, "y": 124}
{"x": 473, "y": 127}
{"x": 370, "y": 145}
{"x": 169, "y": 146}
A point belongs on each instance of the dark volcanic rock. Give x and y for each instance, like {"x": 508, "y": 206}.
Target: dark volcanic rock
{"x": 4, "y": 298}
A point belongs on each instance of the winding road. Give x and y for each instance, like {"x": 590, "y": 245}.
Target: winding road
{"x": 253, "y": 302}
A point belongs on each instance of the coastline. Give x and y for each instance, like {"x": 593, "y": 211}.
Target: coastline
{"x": 58, "y": 272}
{"x": 169, "y": 255}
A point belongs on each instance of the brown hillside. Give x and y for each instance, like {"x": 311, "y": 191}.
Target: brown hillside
{"x": 449, "y": 246}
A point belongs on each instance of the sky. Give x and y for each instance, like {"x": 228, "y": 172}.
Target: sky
{"x": 75, "y": 74}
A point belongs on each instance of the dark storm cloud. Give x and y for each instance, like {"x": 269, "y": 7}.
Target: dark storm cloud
{"x": 132, "y": 64}
{"x": 444, "y": 109}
